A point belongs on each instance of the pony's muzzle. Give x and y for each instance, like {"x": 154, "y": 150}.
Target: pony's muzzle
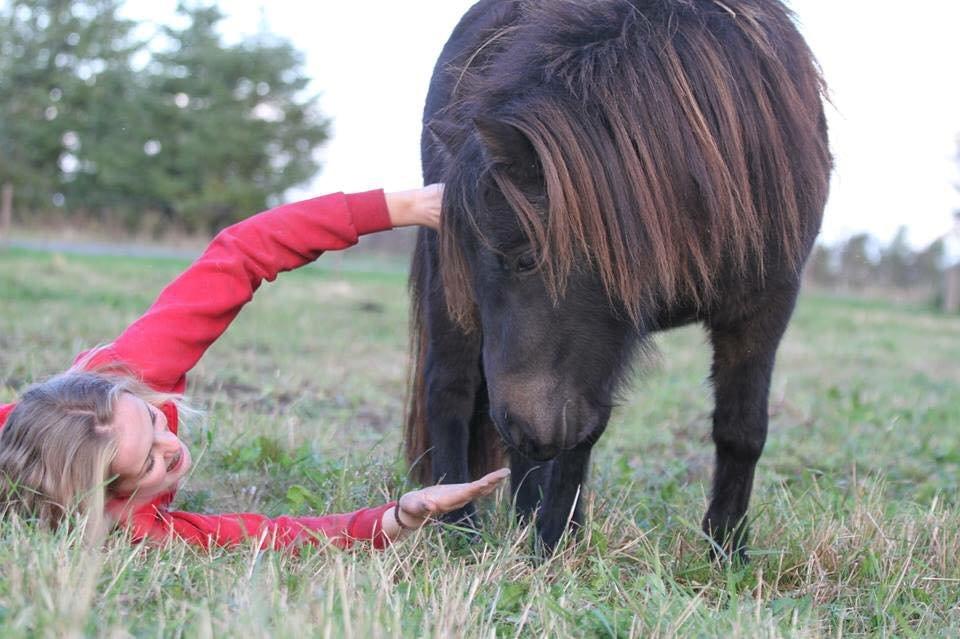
{"x": 544, "y": 439}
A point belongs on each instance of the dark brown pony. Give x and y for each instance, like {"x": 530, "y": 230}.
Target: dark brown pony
{"x": 613, "y": 168}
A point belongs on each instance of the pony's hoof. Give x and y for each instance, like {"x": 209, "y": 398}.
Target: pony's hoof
{"x": 725, "y": 555}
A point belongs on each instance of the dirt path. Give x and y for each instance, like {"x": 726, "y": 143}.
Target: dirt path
{"x": 101, "y": 248}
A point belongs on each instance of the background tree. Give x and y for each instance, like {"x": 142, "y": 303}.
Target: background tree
{"x": 51, "y": 51}
{"x": 856, "y": 267}
{"x": 897, "y": 262}
{"x": 929, "y": 261}
{"x": 820, "y": 266}
{"x": 231, "y": 129}
{"x": 203, "y": 134}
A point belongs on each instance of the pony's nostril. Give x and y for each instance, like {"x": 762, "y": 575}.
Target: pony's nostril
{"x": 540, "y": 452}
{"x": 506, "y": 427}
{"x": 514, "y": 427}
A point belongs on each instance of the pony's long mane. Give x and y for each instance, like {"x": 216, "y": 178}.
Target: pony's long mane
{"x": 678, "y": 141}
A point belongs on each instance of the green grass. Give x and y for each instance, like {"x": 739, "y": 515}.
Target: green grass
{"x": 855, "y": 511}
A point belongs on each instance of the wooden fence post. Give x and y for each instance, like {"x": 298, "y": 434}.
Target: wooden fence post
{"x": 6, "y": 210}
{"x": 951, "y": 289}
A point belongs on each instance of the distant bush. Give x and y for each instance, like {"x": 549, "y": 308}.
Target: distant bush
{"x": 861, "y": 264}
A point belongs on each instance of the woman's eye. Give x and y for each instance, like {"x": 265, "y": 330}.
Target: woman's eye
{"x": 525, "y": 263}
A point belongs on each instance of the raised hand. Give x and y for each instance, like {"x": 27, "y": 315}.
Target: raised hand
{"x": 416, "y": 507}
{"x": 417, "y": 206}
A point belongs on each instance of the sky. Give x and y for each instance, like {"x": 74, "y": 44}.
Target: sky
{"x": 893, "y": 69}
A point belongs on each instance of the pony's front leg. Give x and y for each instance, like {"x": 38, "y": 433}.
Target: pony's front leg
{"x": 453, "y": 379}
{"x": 744, "y": 353}
{"x": 527, "y": 482}
{"x": 562, "y": 493}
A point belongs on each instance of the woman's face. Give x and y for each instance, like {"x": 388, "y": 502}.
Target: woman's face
{"x": 150, "y": 459}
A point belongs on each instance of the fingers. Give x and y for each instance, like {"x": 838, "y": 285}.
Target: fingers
{"x": 496, "y": 476}
{"x": 488, "y": 483}
{"x": 440, "y": 499}
{"x": 479, "y": 488}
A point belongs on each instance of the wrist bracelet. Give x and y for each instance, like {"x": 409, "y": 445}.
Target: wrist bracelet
{"x": 396, "y": 516}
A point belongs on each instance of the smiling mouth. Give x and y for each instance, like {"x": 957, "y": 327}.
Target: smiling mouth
{"x": 175, "y": 462}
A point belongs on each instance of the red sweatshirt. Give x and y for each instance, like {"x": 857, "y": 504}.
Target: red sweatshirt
{"x": 196, "y": 308}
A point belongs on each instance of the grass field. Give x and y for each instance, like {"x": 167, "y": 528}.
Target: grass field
{"x": 856, "y": 529}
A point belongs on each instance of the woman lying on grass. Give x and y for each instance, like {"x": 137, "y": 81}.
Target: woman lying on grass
{"x": 101, "y": 439}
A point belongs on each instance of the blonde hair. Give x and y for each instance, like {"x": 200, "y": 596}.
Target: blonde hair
{"x": 58, "y": 444}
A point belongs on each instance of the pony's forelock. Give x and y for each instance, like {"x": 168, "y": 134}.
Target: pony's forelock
{"x": 690, "y": 159}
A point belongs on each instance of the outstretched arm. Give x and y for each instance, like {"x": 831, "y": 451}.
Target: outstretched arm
{"x": 377, "y": 526}
{"x": 197, "y": 307}
{"x": 233, "y": 529}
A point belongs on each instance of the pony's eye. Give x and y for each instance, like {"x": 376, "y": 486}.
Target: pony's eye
{"x": 525, "y": 263}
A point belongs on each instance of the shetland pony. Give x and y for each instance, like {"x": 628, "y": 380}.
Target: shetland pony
{"x": 613, "y": 168}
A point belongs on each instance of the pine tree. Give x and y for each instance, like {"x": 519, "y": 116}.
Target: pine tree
{"x": 203, "y": 135}
{"x": 232, "y": 130}
{"x": 896, "y": 267}
{"x": 856, "y": 268}
{"x": 820, "y": 266}
{"x": 51, "y": 53}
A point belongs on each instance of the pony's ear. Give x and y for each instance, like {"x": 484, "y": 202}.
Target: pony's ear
{"x": 505, "y": 145}
{"x": 446, "y": 135}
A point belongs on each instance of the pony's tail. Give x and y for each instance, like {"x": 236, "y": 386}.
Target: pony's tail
{"x": 416, "y": 437}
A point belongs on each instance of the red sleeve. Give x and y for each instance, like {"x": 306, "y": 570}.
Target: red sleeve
{"x": 5, "y": 410}
{"x": 198, "y": 306}
{"x": 280, "y": 532}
